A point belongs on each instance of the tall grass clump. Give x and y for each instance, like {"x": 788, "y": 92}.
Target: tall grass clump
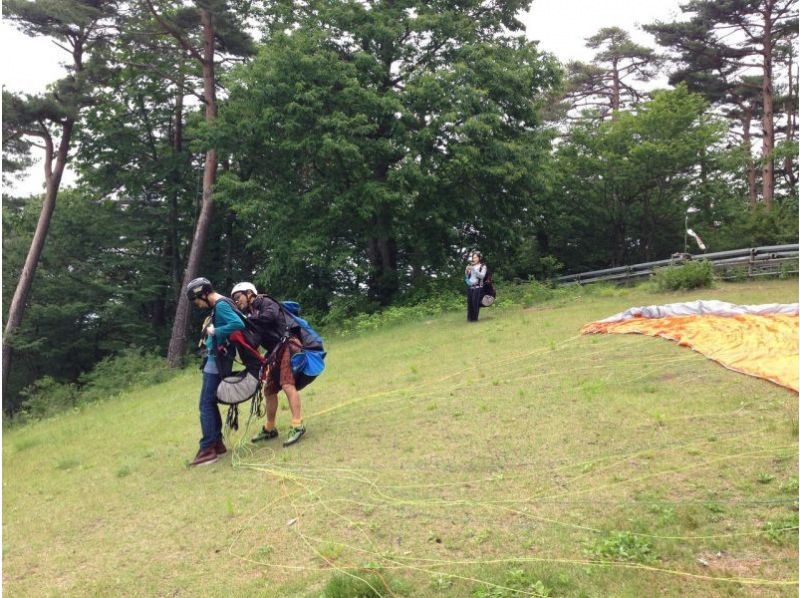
{"x": 691, "y": 275}
{"x": 361, "y": 584}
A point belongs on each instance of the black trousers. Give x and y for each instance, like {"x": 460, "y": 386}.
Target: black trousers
{"x": 473, "y": 303}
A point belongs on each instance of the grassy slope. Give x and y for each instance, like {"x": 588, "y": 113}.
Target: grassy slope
{"x": 510, "y": 452}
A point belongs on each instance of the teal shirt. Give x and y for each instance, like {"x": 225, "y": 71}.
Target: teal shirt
{"x": 226, "y": 321}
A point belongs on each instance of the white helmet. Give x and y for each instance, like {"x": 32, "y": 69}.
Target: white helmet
{"x": 243, "y": 286}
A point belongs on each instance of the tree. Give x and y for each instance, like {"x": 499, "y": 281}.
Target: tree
{"x": 221, "y": 30}
{"x": 786, "y": 100}
{"x": 94, "y": 286}
{"x": 604, "y": 84}
{"x": 621, "y": 187}
{"x": 736, "y": 36}
{"x": 80, "y": 28}
{"x": 383, "y": 140}
{"x": 134, "y": 149}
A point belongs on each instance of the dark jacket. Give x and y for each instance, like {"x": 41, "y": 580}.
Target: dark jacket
{"x": 269, "y": 322}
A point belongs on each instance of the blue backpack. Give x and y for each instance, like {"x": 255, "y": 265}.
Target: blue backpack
{"x": 311, "y": 359}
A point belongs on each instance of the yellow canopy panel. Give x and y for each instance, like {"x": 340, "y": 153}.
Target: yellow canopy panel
{"x": 757, "y": 340}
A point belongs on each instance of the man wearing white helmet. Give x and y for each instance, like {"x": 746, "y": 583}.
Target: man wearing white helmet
{"x": 269, "y": 320}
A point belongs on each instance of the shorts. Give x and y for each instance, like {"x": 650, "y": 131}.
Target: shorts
{"x": 281, "y": 373}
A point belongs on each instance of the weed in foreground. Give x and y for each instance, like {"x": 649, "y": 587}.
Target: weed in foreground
{"x": 330, "y": 551}
{"x": 359, "y": 584}
{"x": 66, "y": 464}
{"x": 515, "y": 583}
{"x": 790, "y": 486}
{"x": 441, "y": 582}
{"x": 765, "y": 478}
{"x": 623, "y": 546}
{"x": 783, "y": 530}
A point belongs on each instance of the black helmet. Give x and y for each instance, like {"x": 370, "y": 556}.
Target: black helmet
{"x": 198, "y": 288}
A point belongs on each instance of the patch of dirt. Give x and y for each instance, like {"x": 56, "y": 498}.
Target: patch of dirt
{"x": 736, "y": 565}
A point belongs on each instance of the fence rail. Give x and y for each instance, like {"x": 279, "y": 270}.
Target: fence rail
{"x": 772, "y": 260}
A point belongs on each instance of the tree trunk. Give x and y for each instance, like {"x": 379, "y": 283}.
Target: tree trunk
{"x": 649, "y": 229}
{"x": 788, "y": 163}
{"x": 382, "y": 255}
{"x": 768, "y": 125}
{"x": 18, "y": 303}
{"x": 230, "y": 220}
{"x": 177, "y": 343}
{"x": 615, "y": 92}
{"x": 618, "y": 257}
{"x": 177, "y": 148}
{"x": 750, "y": 167}
{"x": 382, "y": 246}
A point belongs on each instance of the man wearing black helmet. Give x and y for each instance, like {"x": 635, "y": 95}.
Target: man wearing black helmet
{"x": 224, "y": 321}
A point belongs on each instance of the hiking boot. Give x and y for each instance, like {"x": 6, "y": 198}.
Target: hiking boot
{"x": 205, "y": 456}
{"x": 220, "y": 448}
{"x": 294, "y": 435}
{"x": 265, "y": 435}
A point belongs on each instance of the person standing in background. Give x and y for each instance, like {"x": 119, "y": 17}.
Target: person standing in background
{"x": 473, "y": 276}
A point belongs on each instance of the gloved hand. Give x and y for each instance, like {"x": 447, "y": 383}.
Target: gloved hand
{"x": 210, "y": 330}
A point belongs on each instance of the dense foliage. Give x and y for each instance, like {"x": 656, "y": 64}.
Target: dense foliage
{"x": 363, "y": 151}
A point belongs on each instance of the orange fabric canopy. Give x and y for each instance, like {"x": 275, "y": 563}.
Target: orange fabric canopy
{"x": 764, "y": 346}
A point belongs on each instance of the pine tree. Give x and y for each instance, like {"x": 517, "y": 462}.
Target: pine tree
{"x": 81, "y": 28}
{"x": 606, "y": 84}
{"x": 203, "y": 30}
{"x": 735, "y": 37}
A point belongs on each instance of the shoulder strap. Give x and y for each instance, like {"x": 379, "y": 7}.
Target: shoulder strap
{"x": 281, "y": 306}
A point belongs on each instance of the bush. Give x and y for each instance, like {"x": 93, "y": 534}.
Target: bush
{"x": 528, "y": 294}
{"x": 550, "y": 267}
{"x": 110, "y": 377}
{"x": 691, "y": 275}
{"x": 430, "y": 306}
{"x": 117, "y": 373}
{"x": 46, "y": 397}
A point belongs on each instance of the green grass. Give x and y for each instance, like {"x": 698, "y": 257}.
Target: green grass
{"x": 508, "y": 458}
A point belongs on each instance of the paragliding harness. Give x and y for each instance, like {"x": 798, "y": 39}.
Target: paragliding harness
{"x": 241, "y": 386}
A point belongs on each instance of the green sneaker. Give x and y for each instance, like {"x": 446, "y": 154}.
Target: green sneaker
{"x": 294, "y": 435}
{"x": 265, "y": 435}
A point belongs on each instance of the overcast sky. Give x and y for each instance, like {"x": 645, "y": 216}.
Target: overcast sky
{"x": 561, "y": 27}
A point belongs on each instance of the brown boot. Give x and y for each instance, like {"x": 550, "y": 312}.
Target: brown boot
{"x": 220, "y": 447}
{"x": 205, "y": 456}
